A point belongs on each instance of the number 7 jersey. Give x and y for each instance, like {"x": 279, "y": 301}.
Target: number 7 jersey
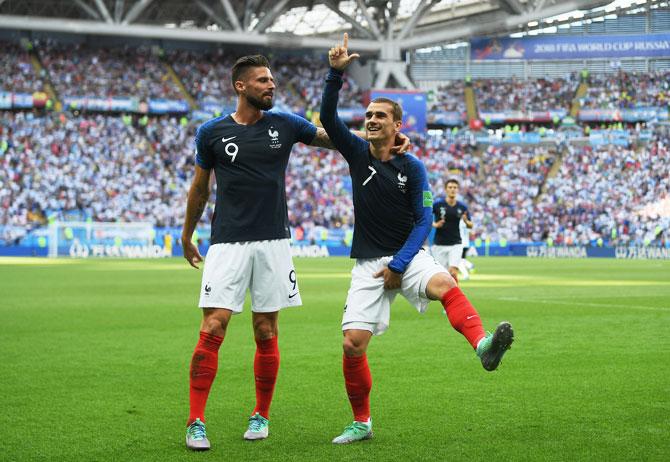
{"x": 249, "y": 162}
{"x": 392, "y": 199}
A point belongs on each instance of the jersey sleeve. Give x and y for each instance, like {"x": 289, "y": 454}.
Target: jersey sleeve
{"x": 204, "y": 157}
{"x": 343, "y": 140}
{"x": 304, "y": 130}
{"x": 421, "y": 199}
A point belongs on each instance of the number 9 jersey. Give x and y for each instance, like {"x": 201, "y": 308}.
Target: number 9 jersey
{"x": 250, "y": 162}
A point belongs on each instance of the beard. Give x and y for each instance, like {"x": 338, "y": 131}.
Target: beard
{"x": 259, "y": 103}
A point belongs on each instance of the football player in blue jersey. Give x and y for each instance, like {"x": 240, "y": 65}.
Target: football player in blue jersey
{"x": 392, "y": 211}
{"x": 449, "y": 214}
{"x": 248, "y": 152}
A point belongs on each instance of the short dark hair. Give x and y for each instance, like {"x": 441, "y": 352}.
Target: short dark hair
{"x": 452, "y": 180}
{"x": 397, "y": 110}
{"x": 244, "y": 63}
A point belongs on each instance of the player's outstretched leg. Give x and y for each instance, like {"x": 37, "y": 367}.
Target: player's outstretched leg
{"x": 462, "y": 315}
{"x": 204, "y": 364}
{"x": 464, "y": 318}
{"x": 492, "y": 348}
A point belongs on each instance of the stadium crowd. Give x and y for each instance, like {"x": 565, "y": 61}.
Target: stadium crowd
{"x": 131, "y": 168}
{"x": 111, "y": 168}
{"x": 299, "y": 80}
{"x": 525, "y": 95}
{"x": 624, "y": 90}
{"x": 19, "y": 75}
{"x": 603, "y": 193}
{"x": 79, "y": 70}
{"x": 98, "y": 167}
{"x": 448, "y": 98}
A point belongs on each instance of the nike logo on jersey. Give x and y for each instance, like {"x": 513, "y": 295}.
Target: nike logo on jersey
{"x": 293, "y": 295}
{"x": 225, "y": 140}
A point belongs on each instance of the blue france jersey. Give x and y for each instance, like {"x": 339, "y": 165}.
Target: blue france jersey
{"x": 250, "y": 162}
{"x": 392, "y": 200}
{"x": 449, "y": 233}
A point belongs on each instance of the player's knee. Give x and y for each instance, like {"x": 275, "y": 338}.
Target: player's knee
{"x": 352, "y": 347}
{"x": 265, "y": 327}
{"x": 439, "y": 285}
{"x": 215, "y": 323}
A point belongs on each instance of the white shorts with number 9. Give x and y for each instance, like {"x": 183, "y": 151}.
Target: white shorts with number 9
{"x": 264, "y": 267}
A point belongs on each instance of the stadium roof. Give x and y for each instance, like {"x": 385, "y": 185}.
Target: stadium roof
{"x": 292, "y": 23}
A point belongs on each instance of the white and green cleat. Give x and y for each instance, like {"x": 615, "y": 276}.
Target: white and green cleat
{"x": 492, "y": 347}
{"x": 357, "y": 431}
{"x": 196, "y": 436}
{"x": 258, "y": 428}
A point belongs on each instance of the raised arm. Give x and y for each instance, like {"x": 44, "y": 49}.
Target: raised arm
{"x": 322, "y": 140}
{"x": 198, "y": 195}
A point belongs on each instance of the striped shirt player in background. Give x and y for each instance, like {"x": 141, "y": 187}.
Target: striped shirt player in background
{"x": 392, "y": 219}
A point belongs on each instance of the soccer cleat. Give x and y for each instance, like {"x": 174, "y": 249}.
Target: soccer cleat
{"x": 492, "y": 348}
{"x": 357, "y": 431}
{"x": 196, "y": 436}
{"x": 258, "y": 428}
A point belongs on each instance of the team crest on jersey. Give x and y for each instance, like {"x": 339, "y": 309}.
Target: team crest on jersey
{"x": 402, "y": 182}
{"x": 274, "y": 137}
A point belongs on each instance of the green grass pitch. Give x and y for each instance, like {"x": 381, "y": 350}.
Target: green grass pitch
{"x": 95, "y": 355}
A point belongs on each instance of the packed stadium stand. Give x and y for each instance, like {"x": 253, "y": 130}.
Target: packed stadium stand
{"x": 107, "y": 165}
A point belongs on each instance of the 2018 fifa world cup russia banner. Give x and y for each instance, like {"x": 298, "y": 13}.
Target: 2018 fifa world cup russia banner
{"x": 571, "y": 47}
{"x": 413, "y": 104}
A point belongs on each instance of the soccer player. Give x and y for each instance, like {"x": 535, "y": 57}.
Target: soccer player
{"x": 248, "y": 151}
{"x": 447, "y": 245}
{"x": 392, "y": 211}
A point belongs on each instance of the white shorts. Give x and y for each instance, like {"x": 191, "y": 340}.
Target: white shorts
{"x": 368, "y": 305}
{"x": 448, "y": 255}
{"x": 265, "y": 267}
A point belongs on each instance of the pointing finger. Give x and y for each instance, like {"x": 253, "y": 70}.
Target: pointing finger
{"x": 345, "y": 42}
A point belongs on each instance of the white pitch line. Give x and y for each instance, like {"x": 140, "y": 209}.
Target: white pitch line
{"x": 602, "y": 305}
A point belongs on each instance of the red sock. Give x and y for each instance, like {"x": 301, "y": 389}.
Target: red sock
{"x": 203, "y": 370}
{"x": 463, "y": 316}
{"x": 358, "y": 382}
{"x": 266, "y": 365}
